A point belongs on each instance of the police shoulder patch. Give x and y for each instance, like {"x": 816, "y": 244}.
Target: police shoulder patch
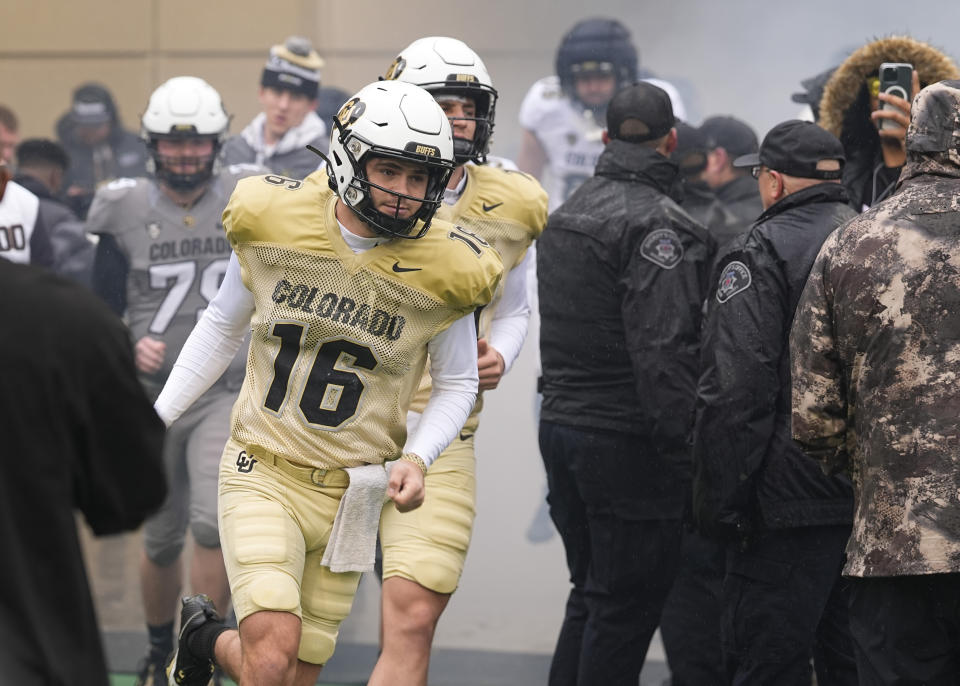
{"x": 734, "y": 278}
{"x": 663, "y": 248}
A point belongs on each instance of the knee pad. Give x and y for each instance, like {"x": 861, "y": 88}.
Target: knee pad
{"x": 327, "y": 599}
{"x": 206, "y": 534}
{"x": 317, "y": 643}
{"x": 163, "y": 553}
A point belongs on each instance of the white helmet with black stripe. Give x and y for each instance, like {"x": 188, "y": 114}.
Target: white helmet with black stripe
{"x": 447, "y": 66}
{"x": 395, "y": 120}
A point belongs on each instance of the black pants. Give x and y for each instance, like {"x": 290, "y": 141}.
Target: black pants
{"x": 690, "y": 623}
{"x": 906, "y": 629}
{"x": 622, "y": 563}
{"x": 784, "y": 601}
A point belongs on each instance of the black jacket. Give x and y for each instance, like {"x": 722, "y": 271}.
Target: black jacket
{"x": 622, "y": 273}
{"x": 701, "y": 203}
{"x": 748, "y": 471}
{"x": 79, "y": 434}
{"x": 741, "y": 201}
{"x": 122, "y": 154}
{"x": 73, "y": 252}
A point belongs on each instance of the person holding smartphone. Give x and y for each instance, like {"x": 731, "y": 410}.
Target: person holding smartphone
{"x": 872, "y": 125}
{"x": 865, "y": 333}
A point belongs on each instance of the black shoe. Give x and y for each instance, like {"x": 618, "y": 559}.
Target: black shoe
{"x": 151, "y": 670}
{"x": 184, "y": 668}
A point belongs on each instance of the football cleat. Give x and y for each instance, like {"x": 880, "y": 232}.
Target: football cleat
{"x": 151, "y": 670}
{"x": 185, "y": 668}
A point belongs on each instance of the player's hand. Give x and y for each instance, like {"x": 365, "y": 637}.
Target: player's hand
{"x": 149, "y": 354}
{"x": 406, "y": 486}
{"x": 894, "y": 138}
{"x": 490, "y": 365}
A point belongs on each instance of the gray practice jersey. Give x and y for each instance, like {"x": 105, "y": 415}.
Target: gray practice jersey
{"x": 177, "y": 257}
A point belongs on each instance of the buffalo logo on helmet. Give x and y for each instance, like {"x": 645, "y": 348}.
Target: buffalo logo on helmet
{"x": 396, "y": 68}
{"x": 734, "y": 278}
{"x": 663, "y": 248}
{"x": 351, "y": 111}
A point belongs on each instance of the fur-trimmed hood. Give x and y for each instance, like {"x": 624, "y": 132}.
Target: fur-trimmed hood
{"x": 847, "y": 86}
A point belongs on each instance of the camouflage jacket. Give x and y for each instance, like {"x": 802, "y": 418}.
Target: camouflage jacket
{"x": 875, "y": 351}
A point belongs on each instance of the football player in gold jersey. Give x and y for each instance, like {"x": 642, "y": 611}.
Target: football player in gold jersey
{"x": 424, "y": 550}
{"x": 344, "y": 309}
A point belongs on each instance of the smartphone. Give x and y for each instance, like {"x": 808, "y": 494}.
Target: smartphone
{"x": 896, "y": 78}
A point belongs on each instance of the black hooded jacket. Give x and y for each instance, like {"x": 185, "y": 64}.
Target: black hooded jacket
{"x": 623, "y": 272}
{"x": 749, "y": 473}
{"x": 741, "y": 203}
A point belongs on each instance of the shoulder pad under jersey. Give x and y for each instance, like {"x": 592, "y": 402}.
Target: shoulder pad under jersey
{"x": 543, "y": 97}
{"x": 116, "y": 202}
{"x": 514, "y": 195}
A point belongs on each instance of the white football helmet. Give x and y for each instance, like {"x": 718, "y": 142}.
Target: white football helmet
{"x": 447, "y": 66}
{"x": 184, "y": 107}
{"x": 396, "y": 120}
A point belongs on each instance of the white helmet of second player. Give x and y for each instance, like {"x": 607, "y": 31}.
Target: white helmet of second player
{"x": 184, "y": 107}
{"x": 395, "y": 120}
{"x": 447, "y": 66}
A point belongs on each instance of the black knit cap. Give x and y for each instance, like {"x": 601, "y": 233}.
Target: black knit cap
{"x": 795, "y": 147}
{"x": 639, "y": 113}
{"x": 293, "y": 66}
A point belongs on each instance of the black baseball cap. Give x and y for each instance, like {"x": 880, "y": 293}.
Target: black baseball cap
{"x": 731, "y": 134}
{"x": 638, "y": 113}
{"x": 92, "y": 105}
{"x": 795, "y": 147}
{"x": 692, "y": 148}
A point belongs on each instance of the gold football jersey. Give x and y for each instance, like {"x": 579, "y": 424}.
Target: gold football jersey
{"x": 508, "y": 210}
{"x": 339, "y": 340}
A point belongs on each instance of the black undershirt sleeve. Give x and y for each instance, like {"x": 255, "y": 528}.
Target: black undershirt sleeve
{"x": 110, "y": 268}
{"x": 41, "y": 248}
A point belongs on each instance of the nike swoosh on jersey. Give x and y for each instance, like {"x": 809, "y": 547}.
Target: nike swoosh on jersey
{"x": 397, "y": 268}
{"x": 488, "y": 208}
{"x": 464, "y": 436}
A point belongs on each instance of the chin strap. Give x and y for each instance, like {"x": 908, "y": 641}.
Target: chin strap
{"x": 320, "y": 155}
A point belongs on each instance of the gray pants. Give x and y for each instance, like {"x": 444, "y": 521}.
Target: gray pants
{"x": 191, "y": 451}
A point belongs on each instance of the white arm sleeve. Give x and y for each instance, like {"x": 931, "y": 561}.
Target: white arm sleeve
{"x": 210, "y": 347}
{"x": 509, "y": 326}
{"x": 533, "y": 297}
{"x": 453, "y": 372}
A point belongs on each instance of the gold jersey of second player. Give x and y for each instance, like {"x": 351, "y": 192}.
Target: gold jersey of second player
{"x": 508, "y": 210}
{"x": 339, "y": 340}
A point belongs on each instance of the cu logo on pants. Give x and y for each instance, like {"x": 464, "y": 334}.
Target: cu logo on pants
{"x": 244, "y": 463}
